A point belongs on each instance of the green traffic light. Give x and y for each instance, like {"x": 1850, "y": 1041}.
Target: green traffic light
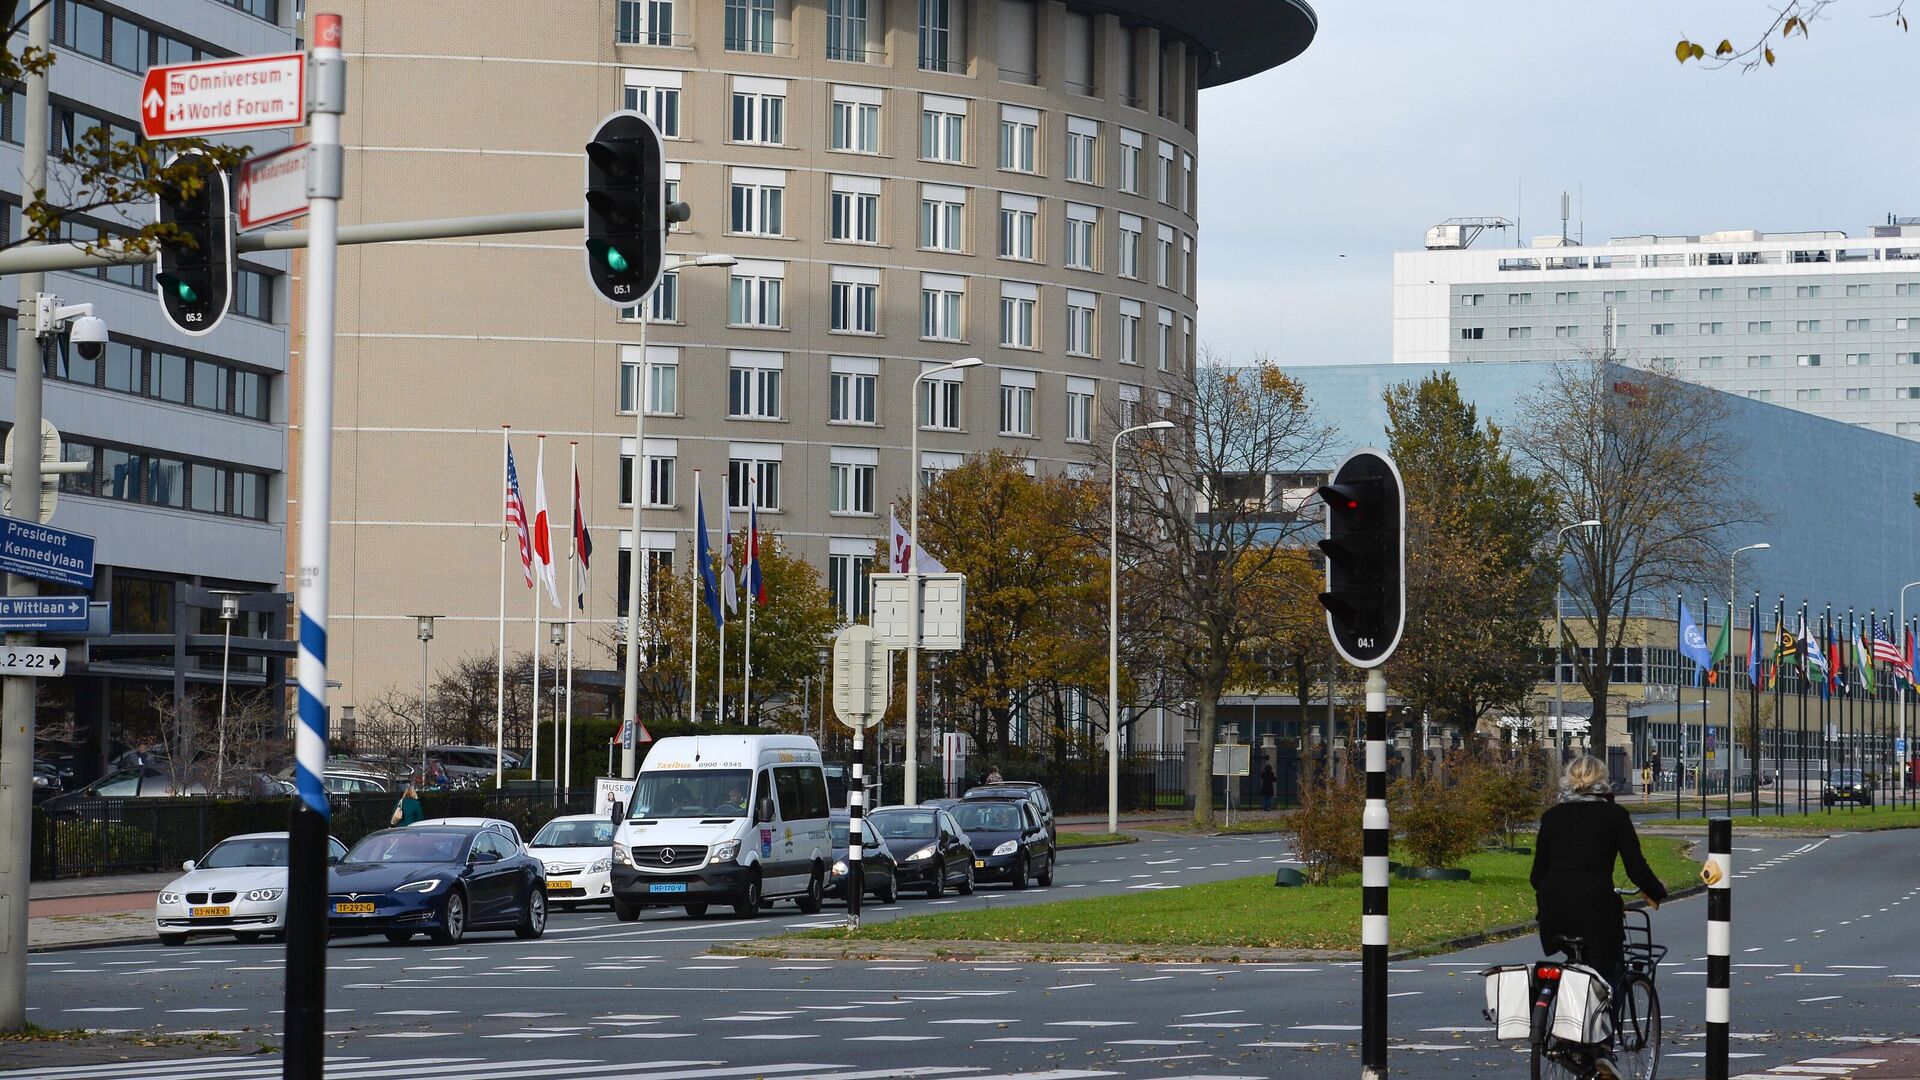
{"x": 186, "y": 293}
{"x": 616, "y": 260}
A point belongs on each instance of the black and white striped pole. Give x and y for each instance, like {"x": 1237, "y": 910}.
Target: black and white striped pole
{"x": 856, "y": 800}
{"x": 1366, "y": 600}
{"x": 859, "y": 697}
{"x": 1718, "y": 874}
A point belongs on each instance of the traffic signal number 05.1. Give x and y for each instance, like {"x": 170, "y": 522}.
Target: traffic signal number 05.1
{"x": 627, "y": 213}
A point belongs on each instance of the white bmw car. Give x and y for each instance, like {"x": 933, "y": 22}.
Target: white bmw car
{"x": 578, "y": 851}
{"x": 238, "y": 888}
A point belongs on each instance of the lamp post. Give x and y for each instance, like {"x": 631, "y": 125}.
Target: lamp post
{"x": 1113, "y": 619}
{"x": 229, "y": 611}
{"x": 1905, "y": 756}
{"x": 823, "y": 653}
{"x": 910, "y": 792}
{"x": 1560, "y": 638}
{"x": 1753, "y": 716}
{"x": 557, "y": 636}
{"x": 423, "y": 629}
{"x": 637, "y": 564}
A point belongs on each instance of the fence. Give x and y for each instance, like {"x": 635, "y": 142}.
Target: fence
{"x": 132, "y": 836}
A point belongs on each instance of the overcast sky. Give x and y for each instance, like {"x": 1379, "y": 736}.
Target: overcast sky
{"x": 1406, "y": 112}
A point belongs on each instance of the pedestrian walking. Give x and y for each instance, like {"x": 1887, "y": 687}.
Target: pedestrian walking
{"x": 993, "y": 774}
{"x": 407, "y": 810}
{"x": 1653, "y": 762}
{"x": 1268, "y": 782}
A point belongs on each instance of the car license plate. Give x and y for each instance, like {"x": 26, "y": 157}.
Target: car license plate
{"x": 221, "y": 911}
{"x": 353, "y": 909}
{"x": 675, "y": 886}
{"x": 979, "y": 864}
{"x": 559, "y": 883}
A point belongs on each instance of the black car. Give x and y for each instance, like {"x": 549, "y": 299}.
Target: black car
{"x": 1009, "y": 843}
{"x": 882, "y": 874}
{"x": 441, "y": 880}
{"x": 1846, "y": 785}
{"x": 1024, "y": 789}
{"x": 929, "y": 848}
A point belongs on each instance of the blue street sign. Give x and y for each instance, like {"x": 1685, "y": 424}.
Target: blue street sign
{"x": 1899, "y": 746}
{"x": 68, "y": 613}
{"x": 47, "y": 553}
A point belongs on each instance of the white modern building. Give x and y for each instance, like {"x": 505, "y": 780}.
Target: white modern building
{"x": 1824, "y": 321}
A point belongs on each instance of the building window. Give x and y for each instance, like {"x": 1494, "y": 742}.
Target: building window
{"x": 1660, "y": 329}
{"x": 753, "y": 476}
{"x": 753, "y": 385}
{"x": 1566, "y": 331}
{"x": 936, "y": 35}
{"x": 1763, "y": 326}
{"x": 847, "y": 582}
{"x": 1859, "y": 393}
{"x": 1566, "y": 298}
{"x": 1807, "y": 292}
{"x": 850, "y": 480}
{"x": 855, "y": 210}
{"x": 856, "y": 300}
{"x": 1710, "y": 294}
{"x": 1129, "y": 261}
{"x": 1017, "y": 304}
{"x": 662, "y": 304}
{"x": 1812, "y": 394}
{"x": 645, "y": 22}
{"x": 1083, "y": 156}
{"x": 1760, "y": 361}
{"x": 941, "y": 296}
{"x": 1906, "y": 324}
{"x": 1130, "y": 144}
{"x": 847, "y": 30}
{"x": 1186, "y": 264}
{"x": 1019, "y": 133}
{"x": 1760, "y": 395}
{"x": 1165, "y": 173}
{"x": 1472, "y": 299}
{"x": 1713, "y": 361}
{"x": 1859, "y": 359}
{"x": 655, "y": 95}
{"x": 1472, "y": 333}
{"x": 758, "y": 198}
{"x": 943, "y": 129}
{"x": 753, "y": 296}
{"x": 1019, "y": 215}
{"x": 1163, "y": 347}
{"x": 1711, "y": 327}
{"x": 1514, "y": 332}
{"x": 1186, "y": 181}
{"x": 1761, "y": 292}
{"x": 1659, "y": 295}
{"x": 759, "y": 113}
{"x": 1520, "y": 298}
{"x": 252, "y": 293}
{"x": 1807, "y": 360}
{"x": 661, "y": 454}
{"x": 940, "y": 403}
{"x": 1129, "y": 344}
{"x": 1859, "y": 324}
{"x": 1082, "y": 316}
{"x": 663, "y": 379}
{"x": 856, "y": 120}
{"x": 1080, "y": 393}
{"x": 1163, "y": 255}
{"x": 942, "y": 218}
{"x": 852, "y": 388}
{"x": 1806, "y": 326}
{"x": 1080, "y": 235}
{"x": 749, "y": 26}
{"x": 1016, "y": 402}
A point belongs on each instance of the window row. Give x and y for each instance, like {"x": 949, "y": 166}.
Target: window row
{"x": 1664, "y": 295}
{"x": 130, "y": 44}
{"x": 129, "y": 474}
{"x": 137, "y": 367}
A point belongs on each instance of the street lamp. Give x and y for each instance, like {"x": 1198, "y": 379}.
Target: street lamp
{"x": 911, "y": 791}
{"x": 823, "y": 653}
{"x": 1113, "y": 619}
{"x": 423, "y": 629}
{"x": 229, "y": 611}
{"x": 637, "y": 565}
{"x": 1753, "y": 717}
{"x": 1559, "y": 636}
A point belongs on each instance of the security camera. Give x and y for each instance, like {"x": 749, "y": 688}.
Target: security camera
{"x": 89, "y": 337}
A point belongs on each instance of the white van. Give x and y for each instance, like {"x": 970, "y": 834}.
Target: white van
{"x": 739, "y": 820}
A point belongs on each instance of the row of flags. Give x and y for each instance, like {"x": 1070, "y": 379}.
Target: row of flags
{"x": 1832, "y": 651}
{"x": 721, "y": 595}
{"x": 536, "y": 543}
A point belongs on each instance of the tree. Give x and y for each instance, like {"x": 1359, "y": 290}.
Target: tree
{"x": 1646, "y": 456}
{"x": 1208, "y": 519}
{"x": 1478, "y": 577}
{"x": 1787, "y": 19}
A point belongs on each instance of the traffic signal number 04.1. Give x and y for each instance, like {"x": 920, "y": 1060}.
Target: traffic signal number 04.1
{"x": 1365, "y": 549}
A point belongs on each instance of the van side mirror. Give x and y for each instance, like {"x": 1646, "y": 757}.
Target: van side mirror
{"x": 763, "y": 811}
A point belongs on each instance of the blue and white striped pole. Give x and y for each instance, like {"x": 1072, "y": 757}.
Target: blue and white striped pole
{"x": 307, "y": 828}
{"x": 1373, "y": 888}
{"x": 1718, "y": 874}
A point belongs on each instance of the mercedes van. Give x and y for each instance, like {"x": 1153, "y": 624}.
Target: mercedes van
{"x": 739, "y": 820}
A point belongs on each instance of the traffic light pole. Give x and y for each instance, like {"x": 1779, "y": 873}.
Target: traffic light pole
{"x": 1374, "y": 839}
{"x": 17, "y": 697}
{"x": 306, "y": 987}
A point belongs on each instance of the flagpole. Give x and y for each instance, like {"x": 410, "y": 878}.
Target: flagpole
{"x": 540, "y": 474}
{"x": 500, "y": 670}
{"x": 1753, "y": 704}
{"x": 573, "y": 598}
{"x": 1705, "y": 715}
{"x": 753, "y": 540}
{"x": 1731, "y": 741}
{"x": 1679, "y": 709}
{"x": 693, "y": 617}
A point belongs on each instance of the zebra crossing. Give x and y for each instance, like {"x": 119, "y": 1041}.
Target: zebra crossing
{"x": 351, "y": 1067}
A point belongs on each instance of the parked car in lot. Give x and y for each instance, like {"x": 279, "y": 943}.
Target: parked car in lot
{"x": 929, "y": 848}
{"x": 504, "y": 828}
{"x": 577, "y": 851}
{"x": 470, "y": 761}
{"x": 1009, "y": 843}
{"x": 1026, "y": 789}
{"x": 1848, "y": 786}
{"x": 238, "y": 887}
{"x": 881, "y": 875}
{"x": 441, "y": 880}
{"x": 139, "y": 782}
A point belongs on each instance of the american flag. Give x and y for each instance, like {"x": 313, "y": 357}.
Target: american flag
{"x": 1884, "y": 650}
{"x": 517, "y": 518}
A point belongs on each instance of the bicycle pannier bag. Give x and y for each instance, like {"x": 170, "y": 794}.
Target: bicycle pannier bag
{"x": 1580, "y": 1008}
{"x": 1509, "y": 1000}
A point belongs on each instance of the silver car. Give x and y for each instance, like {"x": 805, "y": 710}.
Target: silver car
{"x": 238, "y": 888}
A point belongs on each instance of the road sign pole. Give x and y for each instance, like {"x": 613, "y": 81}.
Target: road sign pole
{"x": 17, "y": 697}
{"x": 307, "y": 846}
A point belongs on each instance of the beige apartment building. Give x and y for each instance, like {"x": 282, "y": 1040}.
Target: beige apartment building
{"x": 903, "y": 183}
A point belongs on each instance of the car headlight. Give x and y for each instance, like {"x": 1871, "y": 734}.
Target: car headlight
{"x": 169, "y": 897}
{"x": 600, "y": 867}
{"x": 262, "y": 896}
{"x": 726, "y": 852}
{"x": 422, "y": 886}
{"x": 1007, "y": 848}
{"x": 621, "y": 855}
{"x": 839, "y": 868}
{"x": 923, "y": 853}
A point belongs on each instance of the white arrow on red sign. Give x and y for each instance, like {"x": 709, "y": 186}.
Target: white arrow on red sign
{"x": 246, "y": 93}
{"x": 273, "y": 187}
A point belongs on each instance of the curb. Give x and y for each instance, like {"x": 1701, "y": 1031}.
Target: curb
{"x": 1040, "y": 952}
{"x": 1514, "y": 930}
{"x": 102, "y": 943}
{"x": 1096, "y": 847}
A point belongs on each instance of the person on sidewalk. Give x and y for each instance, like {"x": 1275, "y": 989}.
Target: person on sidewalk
{"x": 407, "y": 811}
{"x": 993, "y": 774}
{"x": 1268, "y": 782}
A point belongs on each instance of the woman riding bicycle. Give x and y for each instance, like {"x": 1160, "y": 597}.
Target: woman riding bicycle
{"x": 1573, "y": 859}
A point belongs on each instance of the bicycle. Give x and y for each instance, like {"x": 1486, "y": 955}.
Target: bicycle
{"x": 1635, "y": 1035}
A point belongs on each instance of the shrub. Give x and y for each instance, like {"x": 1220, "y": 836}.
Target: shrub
{"x": 1439, "y": 823}
{"x": 1512, "y": 792}
{"x": 1327, "y": 826}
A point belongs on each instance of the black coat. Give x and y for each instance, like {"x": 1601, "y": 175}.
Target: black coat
{"x": 1573, "y": 858}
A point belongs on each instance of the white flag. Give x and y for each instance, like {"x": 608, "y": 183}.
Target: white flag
{"x": 903, "y": 550}
{"x": 543, "y": 528}
{"x": 729, "y": 585}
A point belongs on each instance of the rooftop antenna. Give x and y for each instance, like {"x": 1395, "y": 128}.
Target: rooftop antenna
{"x": 1566, "y": 210}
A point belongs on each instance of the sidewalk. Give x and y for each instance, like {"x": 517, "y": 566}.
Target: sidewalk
{"x": 92, "y": 911}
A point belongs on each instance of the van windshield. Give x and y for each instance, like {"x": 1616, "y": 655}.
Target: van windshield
{"x": 691, "y": 793}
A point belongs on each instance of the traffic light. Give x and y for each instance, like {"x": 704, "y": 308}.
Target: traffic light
{"x": 1366, "y": 550}
{"x": 193, "y": 269}
{"x": 627, "y": 208}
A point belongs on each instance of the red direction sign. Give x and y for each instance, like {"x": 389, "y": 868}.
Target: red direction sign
{"x": 246, "y": 93}
{"x": 273, "y": 187}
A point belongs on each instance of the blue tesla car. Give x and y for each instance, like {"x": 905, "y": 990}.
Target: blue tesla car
{"x": 441, "y": 880}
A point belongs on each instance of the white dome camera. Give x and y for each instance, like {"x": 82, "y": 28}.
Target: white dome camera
{"x": 89, "y": 337}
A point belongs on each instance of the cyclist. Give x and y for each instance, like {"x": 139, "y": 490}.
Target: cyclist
{"x": 1573, "y": 858}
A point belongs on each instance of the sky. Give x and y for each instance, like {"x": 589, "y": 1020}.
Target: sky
{"x": 1404, "y": 113}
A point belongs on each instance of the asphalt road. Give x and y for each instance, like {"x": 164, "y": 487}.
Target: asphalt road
{"x": 1824, "y": 948}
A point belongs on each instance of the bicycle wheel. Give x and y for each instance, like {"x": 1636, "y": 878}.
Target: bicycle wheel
{"x": 1552, "y": 1065}
{"x": 1638, "y": 1039}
